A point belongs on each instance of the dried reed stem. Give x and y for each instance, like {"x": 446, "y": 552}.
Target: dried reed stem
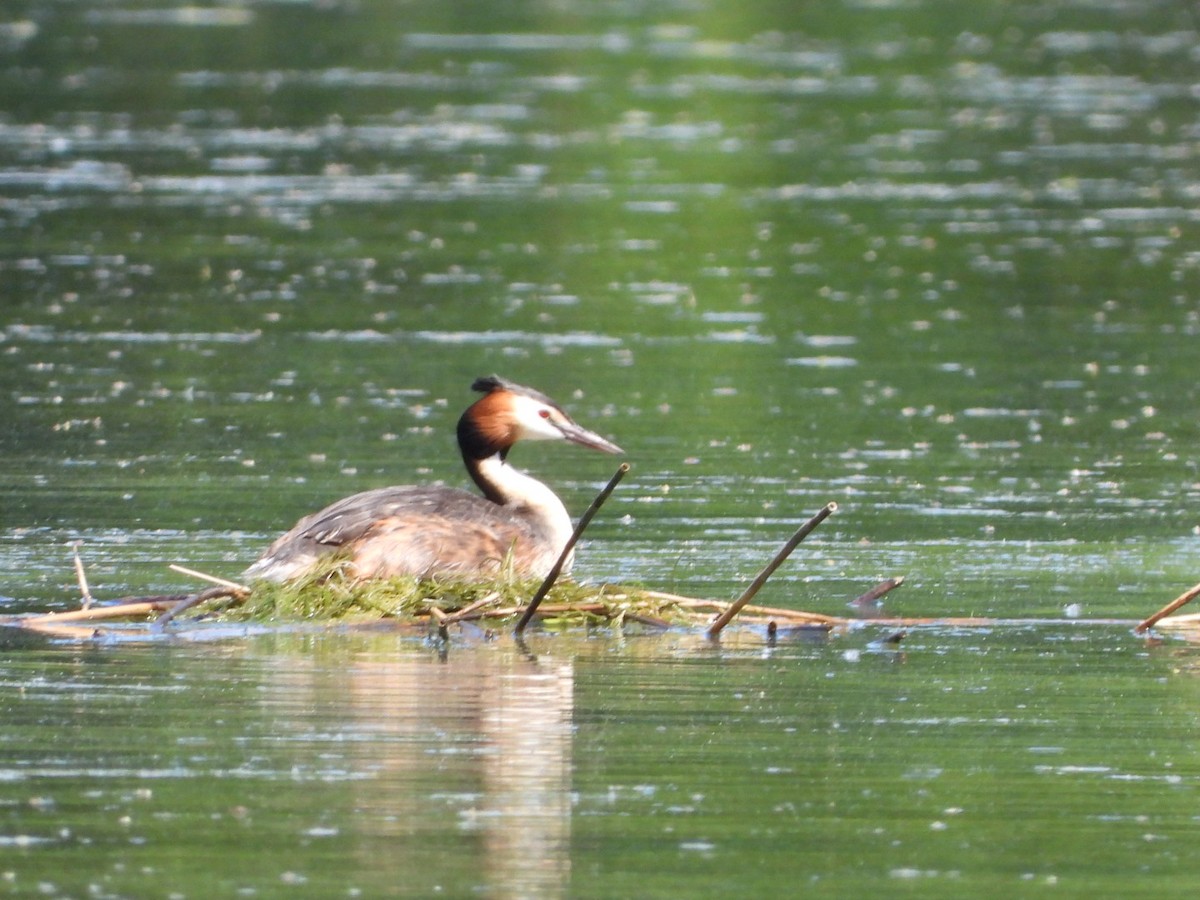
{"x": 557, "y": 568}
{"x": 878, "y": 591}
{"x": 84, "y": 591}
{"x": 471, "y": 607}
{"x": 1179, "y": 601}
{"x": 804, "y": 531}
{"x": 139, "y": 607}
{"x": 212, "y": 579}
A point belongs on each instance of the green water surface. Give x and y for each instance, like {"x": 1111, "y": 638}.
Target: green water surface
{"x": 933, "y": 261}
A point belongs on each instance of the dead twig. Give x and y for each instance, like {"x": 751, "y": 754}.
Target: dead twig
{"x": 224, "y": 589}
{"x": 545, "y": 611}
{"x": 557, "y": 568}
{"x": 193, "y": 600}
{"x": 870, "y": 605}
{"x": 212, "y": 579}
{"x": 122, "y": 609}
{"x": 1186, "y": 597}
{"x": 84, "y": 591}
{"x": 804, "y": 531}
{"x": 643, "y": 619}
{"x": 471, "y": 607}
{"x": 874, "y": 594}
{"x": 697, "y": 604}
{"x": 436, "y": 615}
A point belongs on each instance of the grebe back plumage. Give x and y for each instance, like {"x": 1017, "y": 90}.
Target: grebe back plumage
{"x": 427, "y": 531}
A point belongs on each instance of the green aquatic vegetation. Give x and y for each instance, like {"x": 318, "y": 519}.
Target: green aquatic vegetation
{"x": 332, "y": 595}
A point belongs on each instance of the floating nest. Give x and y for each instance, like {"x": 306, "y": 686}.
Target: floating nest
{"x": 332, "y": 597}
{"x": 335, "y": 597}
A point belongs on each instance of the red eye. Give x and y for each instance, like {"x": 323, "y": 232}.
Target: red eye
{"x": 544, "y": 413}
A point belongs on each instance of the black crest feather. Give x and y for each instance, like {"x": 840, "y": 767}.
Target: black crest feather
{"x": 487, "y": 384}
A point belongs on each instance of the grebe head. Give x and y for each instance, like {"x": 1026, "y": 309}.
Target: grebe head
{"x": 510, "y": 412}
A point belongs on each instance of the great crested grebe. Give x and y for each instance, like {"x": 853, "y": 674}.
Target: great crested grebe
{"x": 426, "y": 531}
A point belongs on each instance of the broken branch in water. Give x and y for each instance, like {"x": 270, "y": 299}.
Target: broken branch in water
{"x": 871, "y": 597}
{"x": 139, "y": 606}
{"x": 194, "y": 600}
{"x": 557, "y": 568}
{"x": 804, "y": 531}
{"x": 1186, "y": 597}
{"x": 870, "y": 605}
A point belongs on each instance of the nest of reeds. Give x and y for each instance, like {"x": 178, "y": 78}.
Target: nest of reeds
{"x": 497, "y": 602}
{"x": 331, "y": 596}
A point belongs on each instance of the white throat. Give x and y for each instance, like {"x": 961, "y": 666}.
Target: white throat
{"x": 518, "y": 489}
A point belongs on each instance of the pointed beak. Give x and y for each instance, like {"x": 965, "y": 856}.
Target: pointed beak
{"x": 584, "y": 438}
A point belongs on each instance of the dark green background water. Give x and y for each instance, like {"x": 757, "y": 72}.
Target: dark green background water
{"x": 934, "y": 261}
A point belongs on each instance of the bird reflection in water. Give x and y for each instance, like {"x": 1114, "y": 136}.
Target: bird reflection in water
{"x": 485, "y": 734}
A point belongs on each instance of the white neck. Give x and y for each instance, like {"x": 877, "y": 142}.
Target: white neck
{"x": 516, "y": 489}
